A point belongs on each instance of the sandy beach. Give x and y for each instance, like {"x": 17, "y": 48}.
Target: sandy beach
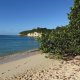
{"x": 37, "y": 67}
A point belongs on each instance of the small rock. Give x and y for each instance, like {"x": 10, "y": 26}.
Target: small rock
{"x": 77, "y": 58}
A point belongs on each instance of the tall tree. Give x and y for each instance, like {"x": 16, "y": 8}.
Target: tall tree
{"x": 74, "y": 15}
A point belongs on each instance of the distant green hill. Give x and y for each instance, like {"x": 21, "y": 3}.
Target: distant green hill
{"x": 39, "y": 30}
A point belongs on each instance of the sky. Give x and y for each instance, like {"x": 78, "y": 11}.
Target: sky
{"x": 20, "y": 15}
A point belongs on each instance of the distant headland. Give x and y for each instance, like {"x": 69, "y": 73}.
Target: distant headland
{"x": 35, "y": 32}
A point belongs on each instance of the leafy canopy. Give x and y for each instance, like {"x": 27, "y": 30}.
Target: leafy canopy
{"x": 64, "y": 41}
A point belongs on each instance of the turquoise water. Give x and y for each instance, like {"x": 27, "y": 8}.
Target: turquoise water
{"x": 10, "y": 44}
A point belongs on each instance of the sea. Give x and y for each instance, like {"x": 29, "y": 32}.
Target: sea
{"x": 13, "y": 44}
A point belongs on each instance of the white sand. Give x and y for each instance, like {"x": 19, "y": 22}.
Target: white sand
{"x": 37, "y": 67}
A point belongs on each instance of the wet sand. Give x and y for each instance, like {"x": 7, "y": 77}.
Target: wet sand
{"x": 18, "y": 56}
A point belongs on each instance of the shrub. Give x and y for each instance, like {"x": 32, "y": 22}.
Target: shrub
{"x": 64, "y": 41}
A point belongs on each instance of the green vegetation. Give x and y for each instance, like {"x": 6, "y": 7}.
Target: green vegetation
{"x": 39, "y": 30}
{"x": 64, "y": 41}
{"x": 74, "y": 15}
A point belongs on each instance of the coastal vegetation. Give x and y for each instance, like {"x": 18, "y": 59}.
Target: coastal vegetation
{"x": 64, "y": 41}
{"x": 38, "y": 30}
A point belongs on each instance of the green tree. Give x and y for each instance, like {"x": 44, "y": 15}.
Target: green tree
{"x": 64, "y": 41}
{"x": 74, "y": 15}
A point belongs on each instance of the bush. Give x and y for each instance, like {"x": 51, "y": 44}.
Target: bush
{"x": 61, "y": 41}
{"x": 64, "y": 41}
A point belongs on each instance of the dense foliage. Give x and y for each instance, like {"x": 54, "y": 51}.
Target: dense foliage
{"x": 74, "y": 15}
{"x": 64, "y": 41}
{"x": 39, "y": 30}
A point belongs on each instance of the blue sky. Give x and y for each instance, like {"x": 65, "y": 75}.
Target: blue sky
{"x": 20, "y": 15}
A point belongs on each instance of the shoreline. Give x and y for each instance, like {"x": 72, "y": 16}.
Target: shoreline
{"x": 14, "y": 68}
{"x": 17, "y": 56}
{"x": 37, "y": 67}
